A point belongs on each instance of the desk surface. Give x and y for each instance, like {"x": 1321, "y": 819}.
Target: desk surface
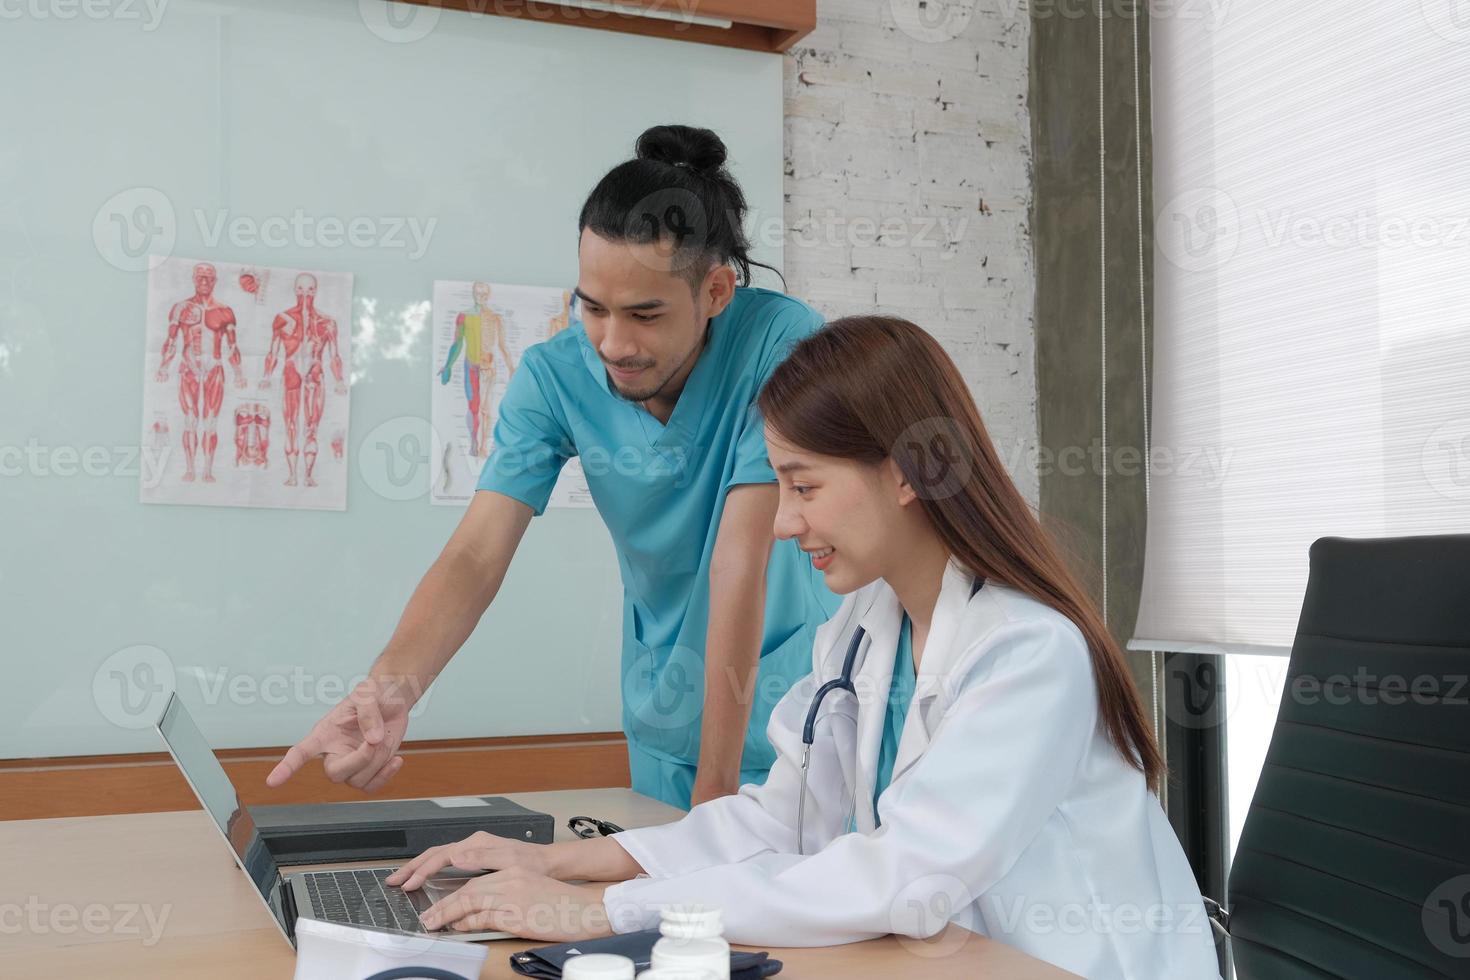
{"x": 157, "y": 895}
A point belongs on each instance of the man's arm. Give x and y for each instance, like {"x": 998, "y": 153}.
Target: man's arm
{"x": 457, "y": 589}
{"x": 359, "y": 738}
{"x": 737, "y": 587}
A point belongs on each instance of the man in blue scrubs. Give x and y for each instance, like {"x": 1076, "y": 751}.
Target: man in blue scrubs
{"x": 655, "y": 390}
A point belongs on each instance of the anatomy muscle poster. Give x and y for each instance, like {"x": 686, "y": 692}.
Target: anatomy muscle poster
{"x": 245, "y": 385}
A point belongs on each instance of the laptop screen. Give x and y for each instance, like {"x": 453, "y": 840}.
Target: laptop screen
{"x": 213, "y": 787}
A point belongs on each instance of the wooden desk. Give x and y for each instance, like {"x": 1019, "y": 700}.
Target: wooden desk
{"x": 150, "y": 895}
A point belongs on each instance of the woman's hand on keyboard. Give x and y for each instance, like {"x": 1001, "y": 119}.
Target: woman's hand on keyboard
{"x": 524, "y": 904}
{"x": 477, "y": 852}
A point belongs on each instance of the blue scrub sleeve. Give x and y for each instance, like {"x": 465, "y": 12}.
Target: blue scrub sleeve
{"x": 531, "y": 444}
{"x": 751, "y": 462}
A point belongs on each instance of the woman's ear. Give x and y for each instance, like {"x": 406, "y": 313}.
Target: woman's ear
{"x": 900, "y": 483}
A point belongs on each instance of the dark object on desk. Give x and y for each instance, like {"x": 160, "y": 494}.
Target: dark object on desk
{"x": 1355, "y": 856}
{"x": 588, "y": 827}
{"x": 387, "y": 830}
{"x": 547, "y": 962}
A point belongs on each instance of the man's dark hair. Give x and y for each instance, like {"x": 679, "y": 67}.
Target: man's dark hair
{"x": 676, "y": 191}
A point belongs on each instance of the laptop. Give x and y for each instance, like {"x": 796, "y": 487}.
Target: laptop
{"x": 356, "y": 897}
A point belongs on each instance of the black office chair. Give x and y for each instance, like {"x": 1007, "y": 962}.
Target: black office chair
{"x": 1354, "y": 861}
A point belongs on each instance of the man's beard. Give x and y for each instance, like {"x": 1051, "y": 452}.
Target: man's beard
{"x": 639, "y": 396}
{"x": 643, "y": 395}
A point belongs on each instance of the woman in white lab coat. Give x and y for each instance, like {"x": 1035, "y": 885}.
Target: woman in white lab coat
{"x": 991, "y": 766}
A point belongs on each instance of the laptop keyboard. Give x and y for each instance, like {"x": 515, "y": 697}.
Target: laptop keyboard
{"x": 361, "y": 898}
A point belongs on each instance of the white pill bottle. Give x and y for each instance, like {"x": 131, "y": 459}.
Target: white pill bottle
{"x": 692, "y": 942}
{"x": 598, "y": 966}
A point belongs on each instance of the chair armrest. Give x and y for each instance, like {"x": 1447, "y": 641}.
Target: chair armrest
{"x": 1219, "y": 918}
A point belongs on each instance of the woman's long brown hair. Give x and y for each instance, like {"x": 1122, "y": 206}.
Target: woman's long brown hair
{"x": 870, "y": 388}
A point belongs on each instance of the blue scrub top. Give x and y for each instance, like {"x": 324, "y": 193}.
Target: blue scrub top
{"x": 900, "y": 695}
{"x": 661, "y": 491}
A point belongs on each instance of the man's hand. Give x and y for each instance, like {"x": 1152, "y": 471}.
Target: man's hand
{"x": 477, "y": 852}
{"x": 524, "y": 904}
{"x": 358, "y": 739}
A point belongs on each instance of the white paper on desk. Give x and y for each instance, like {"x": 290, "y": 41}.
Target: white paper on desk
{"x": 331, "y": 951}
{"x": 458, "y": 801}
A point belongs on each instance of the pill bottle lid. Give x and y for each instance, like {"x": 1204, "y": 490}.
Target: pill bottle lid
{"x": 598, "y": 966}
{"x": 691, "y": 922}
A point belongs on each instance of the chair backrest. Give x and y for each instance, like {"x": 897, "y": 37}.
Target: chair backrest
{"x": 1355, "y": 856}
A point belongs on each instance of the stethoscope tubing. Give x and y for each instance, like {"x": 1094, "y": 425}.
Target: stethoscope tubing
{"x": 842, "y": 682}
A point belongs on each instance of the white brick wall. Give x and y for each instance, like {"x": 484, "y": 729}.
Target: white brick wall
{"x": 908, "y": 182}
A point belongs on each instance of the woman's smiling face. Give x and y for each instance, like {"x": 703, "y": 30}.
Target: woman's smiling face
{"x": 842, "y": 512}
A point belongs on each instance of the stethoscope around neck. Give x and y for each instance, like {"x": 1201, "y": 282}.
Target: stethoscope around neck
{"x": 842, "y": 682}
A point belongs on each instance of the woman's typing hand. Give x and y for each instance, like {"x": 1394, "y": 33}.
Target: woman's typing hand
{"x": 478, "y": 852}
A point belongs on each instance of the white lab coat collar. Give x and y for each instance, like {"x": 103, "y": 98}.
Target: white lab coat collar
{"x": 873, "y": 678}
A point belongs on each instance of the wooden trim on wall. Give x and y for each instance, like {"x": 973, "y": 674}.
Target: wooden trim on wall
{"x": 78, "y": 786}
{"x": 758, "y": 25}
